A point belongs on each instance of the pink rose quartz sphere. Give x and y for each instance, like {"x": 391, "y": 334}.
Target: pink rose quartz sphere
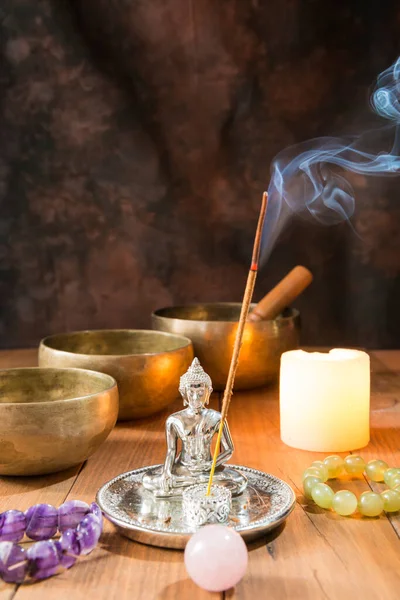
{"x": 216, "y": 558}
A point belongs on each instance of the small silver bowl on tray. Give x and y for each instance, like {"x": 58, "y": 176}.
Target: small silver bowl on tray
{"x": 200, "y": 509}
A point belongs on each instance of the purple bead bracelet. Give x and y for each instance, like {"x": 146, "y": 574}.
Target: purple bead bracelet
{"x": 80, "y": 526}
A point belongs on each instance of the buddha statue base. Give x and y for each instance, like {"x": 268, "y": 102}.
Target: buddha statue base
{"x": 225, "y": 476}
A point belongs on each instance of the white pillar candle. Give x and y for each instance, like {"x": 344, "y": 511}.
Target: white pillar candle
{"x": 324, "y": 400}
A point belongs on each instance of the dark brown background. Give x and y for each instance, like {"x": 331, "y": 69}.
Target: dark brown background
{"x": 136, "y": 139}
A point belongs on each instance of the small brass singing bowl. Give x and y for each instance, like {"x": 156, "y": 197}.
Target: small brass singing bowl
{"x": 53, "y": 419}
{"x": 147, "y": 365}
{"x": 212, "y": 329}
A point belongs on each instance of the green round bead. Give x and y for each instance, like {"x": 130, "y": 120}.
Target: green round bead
{"x": 313, "y": 472}
{"x": 354, "y": 464}
{"x": 322, "y": 467}
{"x": 389, "y": 473}
{"x": 375, "y": 469}
{"x": 394, "y": 481}
{"x": 322, "y": 495}
{"x": 396, "y": 488}
{"x": 370, "y": 504}
{"x": 308, "y": 485}
{"x": 391, "y": 500}
{"x": 344, "y": 503}
{"x": 335, "y": 465}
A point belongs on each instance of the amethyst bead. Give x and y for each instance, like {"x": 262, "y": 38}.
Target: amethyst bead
{"x": 71, "y": 513}
{"x": 44, "y": 559}
{"x": 70, "y": 542}
{"x": 96, "y": 511}
{"x": 66, "y": 560}
{"x": 12, "y": 526}
{"x": 41, "y": 521}
{"x": 89, "y": 531}
{"x": 10, "y": 556}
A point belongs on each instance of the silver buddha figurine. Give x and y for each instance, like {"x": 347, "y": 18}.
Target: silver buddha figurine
{"x": 195, "y": 427}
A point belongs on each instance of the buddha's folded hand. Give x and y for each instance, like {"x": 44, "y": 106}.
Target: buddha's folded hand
{"x": 166, "y": 482}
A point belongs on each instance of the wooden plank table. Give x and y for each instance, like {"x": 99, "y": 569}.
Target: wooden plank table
{"x": 316, "y": 555}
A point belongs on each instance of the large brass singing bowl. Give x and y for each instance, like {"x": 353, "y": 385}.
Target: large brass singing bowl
{"x": 147, "y": 365}
{"x": 52, "y": 419}
{"x": 212, "y": 329}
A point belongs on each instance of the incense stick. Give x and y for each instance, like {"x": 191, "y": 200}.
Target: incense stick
{"x": 248, "y": 293}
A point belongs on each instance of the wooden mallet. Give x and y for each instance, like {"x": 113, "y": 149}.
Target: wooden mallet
{"x": 282, "y": 295}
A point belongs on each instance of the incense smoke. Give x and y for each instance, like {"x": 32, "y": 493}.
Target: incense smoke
{"x": 307, "y": 178}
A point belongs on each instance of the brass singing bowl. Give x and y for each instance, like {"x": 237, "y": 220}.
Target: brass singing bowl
{"x": 212, "y": 329}
{"x": 147, "y": 365}
{"x": 53, "y": 419}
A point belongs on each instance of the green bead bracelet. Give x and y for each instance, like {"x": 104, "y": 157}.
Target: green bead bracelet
{"x": 345, "y": 503}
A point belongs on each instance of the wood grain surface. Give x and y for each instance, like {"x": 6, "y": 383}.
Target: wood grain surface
{"x": 316, "y": 555}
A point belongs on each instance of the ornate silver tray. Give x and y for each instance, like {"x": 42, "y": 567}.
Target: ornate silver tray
{"x": 264, "y": 505}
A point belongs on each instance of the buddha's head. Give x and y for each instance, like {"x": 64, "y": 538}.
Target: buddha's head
{"x": 195, "y": 386}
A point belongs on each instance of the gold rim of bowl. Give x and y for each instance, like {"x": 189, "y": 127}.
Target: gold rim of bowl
{"x": 186, "y": 342}
{"x": 294, "y": 313}
{"x": 90, "y": 373}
